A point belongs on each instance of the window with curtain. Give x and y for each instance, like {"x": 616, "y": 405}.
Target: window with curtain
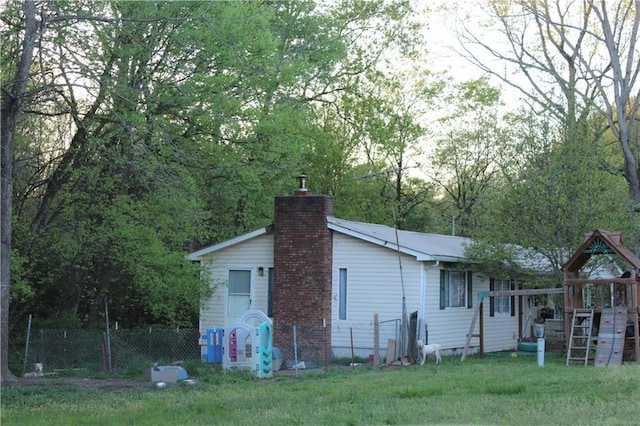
{"x": 502, "y": 304}
{"x": 455, "y": 289}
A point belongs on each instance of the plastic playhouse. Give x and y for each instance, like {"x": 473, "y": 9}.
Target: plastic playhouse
{"x": 246, "y": 344}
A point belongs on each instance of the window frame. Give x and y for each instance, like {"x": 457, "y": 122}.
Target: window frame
{"x": 270, "y": 292}
{"x": 232, "y": 295}
{"x": 342, "y": 293}
{"x": 496, "y": 301}
{"x": 446, "y": 288}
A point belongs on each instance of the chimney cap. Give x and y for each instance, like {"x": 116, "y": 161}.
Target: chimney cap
{"x": 302, "y": 185}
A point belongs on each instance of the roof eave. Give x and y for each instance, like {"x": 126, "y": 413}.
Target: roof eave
{"x": 436, "y": 258}
{"x": 198, "y": 255}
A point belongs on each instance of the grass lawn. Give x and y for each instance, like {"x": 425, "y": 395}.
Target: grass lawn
{"x": 497, "y": 389}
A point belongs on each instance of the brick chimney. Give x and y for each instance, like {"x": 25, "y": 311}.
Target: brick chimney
{"x": 302, "y": 271}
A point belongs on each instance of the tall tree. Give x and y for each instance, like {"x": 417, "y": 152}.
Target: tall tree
{"x": 546, "y": 197}
{"x": 13, "y": 93}
{"x": 387, "y": 116}
{"x": 172, "y": 125}
{"x": 464, "y": 163}
{"x": 587, "y": 51}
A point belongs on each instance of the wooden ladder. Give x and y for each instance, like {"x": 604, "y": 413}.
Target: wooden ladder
{"x": 580, "y": 339}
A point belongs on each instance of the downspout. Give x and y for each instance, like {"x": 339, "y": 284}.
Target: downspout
{"x": 423, "y": 297}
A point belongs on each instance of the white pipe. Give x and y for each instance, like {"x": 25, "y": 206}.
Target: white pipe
{"x": 423, "y": 298}
{"x": 540, "y": 352}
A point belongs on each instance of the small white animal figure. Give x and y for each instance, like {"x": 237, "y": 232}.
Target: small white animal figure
{"x": 424, "y": 350}
{"x": 37, "y": 371}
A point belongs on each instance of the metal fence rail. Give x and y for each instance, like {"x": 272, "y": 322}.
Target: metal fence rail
{"x": 311, "y": 343}
{"x": 116, "y": 352}
{"x": 130, "y": 351}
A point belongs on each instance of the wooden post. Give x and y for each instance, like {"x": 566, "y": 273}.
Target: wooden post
{"x": 520, "y": 317}
{"x": 636, "y": 335}
{"x": 568, "y": 310}
{"x": 353, "y": 361}
{"x": 635, "y": 317}
{"x": 471, "y": 334}
{"x": 376, "y": 341}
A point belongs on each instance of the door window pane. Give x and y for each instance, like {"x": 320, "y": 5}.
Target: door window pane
{"x": 239, "y": 294}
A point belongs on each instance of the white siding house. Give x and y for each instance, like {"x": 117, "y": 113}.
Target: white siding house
{"x": 246, "y": 253}
{"x": 377, "y": 272}
{"x": 370, "y": 274}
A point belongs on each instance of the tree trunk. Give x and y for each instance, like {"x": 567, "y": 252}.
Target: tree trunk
{"x": 12, "y": 97}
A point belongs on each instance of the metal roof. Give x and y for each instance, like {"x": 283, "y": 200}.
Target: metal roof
{"x": 425, "y": 247}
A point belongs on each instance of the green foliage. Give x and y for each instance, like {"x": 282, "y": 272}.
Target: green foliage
{"x": 153, "y": 128}
{"x": 464, "y": 160}
{"x": 500, "y": 259}
{"x": 552, "y": 192}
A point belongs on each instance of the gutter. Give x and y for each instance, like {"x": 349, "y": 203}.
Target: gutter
{"x": 423, "y": 302}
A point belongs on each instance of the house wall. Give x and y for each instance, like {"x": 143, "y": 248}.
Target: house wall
{"x": 450, "y": 326}
{"x": 374, "y": 286}
{"x": 500, "y": 333}
{"x": 252, "y": 254}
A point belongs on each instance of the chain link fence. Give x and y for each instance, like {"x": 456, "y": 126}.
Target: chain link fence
{"x": 312, "y": 343}
{"x": 125, "y": 352}
{"x": 115, "y": 352}
{"x": 302, "y": 342}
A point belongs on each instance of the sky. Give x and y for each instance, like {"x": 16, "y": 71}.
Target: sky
{"x": 443, "y": 19}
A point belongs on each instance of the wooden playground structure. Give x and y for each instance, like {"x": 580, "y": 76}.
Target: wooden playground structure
{"x": 598, "y": 312}
{"x": 602, "y": 311}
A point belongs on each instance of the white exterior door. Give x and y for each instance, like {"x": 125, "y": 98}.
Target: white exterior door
{"x": 239, "y": 294}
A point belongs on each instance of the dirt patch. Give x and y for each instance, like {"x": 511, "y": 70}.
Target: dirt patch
{"x": 81, "y": 383}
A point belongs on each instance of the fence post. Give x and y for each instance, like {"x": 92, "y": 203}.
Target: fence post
{"x": 108, "y": 335}
{"x": 115, "y": 349}
{"x": 353, "y": 361}
{"x": 295, "y": 350}
{"x": 106, "y": 363}
{"x": 324, "y": 337}
{"x": 26, "y": 348}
